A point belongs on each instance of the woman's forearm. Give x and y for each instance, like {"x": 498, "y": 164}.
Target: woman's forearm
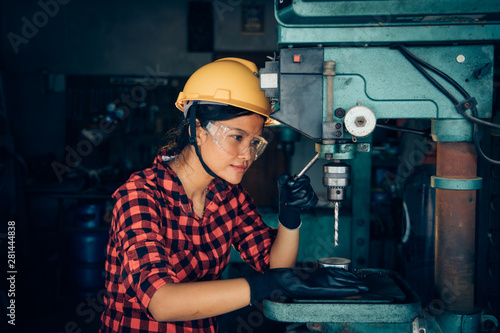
{"x": 285, "y": 248}
{"x": 197, "y": 300}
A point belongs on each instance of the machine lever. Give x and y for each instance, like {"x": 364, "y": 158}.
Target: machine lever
{"x": 310, "y": 164}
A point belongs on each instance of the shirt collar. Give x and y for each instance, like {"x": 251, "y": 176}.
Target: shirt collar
{"x": 216, "y": 191}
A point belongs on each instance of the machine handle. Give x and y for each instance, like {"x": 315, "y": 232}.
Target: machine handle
{"x": 310, "y": 164}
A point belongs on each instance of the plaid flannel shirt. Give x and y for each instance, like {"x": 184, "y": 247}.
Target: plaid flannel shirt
{"x": 156, "y": 238}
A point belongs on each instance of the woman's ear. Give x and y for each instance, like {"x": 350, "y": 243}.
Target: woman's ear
{"x": 201, "y": 133}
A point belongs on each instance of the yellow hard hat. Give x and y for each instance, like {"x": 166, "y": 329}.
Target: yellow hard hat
{"x": 231, "y": 81}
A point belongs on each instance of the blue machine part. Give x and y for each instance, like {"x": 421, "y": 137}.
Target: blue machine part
{"x": 457, "y": 184}
{"x": 338, "y": 56}
{"x": 384, "y": 81}
{"x": 389, "y": 12}
{"x": 390, "y": 302}
{"x": 324, "y": 23}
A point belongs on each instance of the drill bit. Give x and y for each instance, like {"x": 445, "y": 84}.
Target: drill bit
{"x": 336, "y": 223}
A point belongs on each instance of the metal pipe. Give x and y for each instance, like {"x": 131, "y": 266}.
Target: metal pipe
{"x": 329, "y": 72}
{"x": 455, "y": 228}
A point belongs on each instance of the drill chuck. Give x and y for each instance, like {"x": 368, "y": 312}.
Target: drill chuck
{"x": 336, "y": 178}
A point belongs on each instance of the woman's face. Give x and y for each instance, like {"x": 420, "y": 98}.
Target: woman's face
{"x": 228, "y": 155}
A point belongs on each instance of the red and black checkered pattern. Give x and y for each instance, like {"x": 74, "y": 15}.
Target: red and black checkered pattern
{"x": 156, "y": 238}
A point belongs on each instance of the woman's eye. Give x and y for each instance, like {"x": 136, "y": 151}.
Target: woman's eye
{"x": 255, "y": 143}
{"x": 237, "y": 137}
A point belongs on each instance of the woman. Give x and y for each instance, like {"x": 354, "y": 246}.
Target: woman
{"x": 174, "y": 223}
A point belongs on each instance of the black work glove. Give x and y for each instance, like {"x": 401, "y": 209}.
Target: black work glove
{"x": 296, "y": 196}
{"x": 300, "y": 283}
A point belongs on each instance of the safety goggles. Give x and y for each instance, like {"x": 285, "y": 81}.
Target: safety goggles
{"x": 235, "y": 141}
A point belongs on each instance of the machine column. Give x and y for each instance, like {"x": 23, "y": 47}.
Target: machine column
{"x": 455, "y": 227}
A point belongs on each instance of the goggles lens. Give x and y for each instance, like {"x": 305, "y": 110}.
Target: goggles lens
{"x": 235, "y": 141}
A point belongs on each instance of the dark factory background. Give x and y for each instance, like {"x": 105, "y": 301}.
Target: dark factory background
{"x": 87, "y": 94}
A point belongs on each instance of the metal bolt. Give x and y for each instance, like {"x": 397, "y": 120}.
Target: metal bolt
{"x": 460, "y": 58}
{"x": 338, "y": 134}
{"x": 360, "y": 121}
{"x": 328, "y": 156}
{"x": 338, "y": 125}
{"x": 340, "y": 112}
{"x": 467, "y": 105}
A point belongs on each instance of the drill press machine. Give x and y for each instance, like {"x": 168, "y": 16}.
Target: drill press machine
{"x": 343, "y": 65}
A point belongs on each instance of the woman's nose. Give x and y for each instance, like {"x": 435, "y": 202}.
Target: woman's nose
{"x": 248, "y": 153}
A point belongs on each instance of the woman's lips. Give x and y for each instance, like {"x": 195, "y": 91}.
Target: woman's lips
{"x": 239, "y": 168}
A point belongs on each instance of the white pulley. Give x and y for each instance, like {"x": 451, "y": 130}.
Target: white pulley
{"x": 360, "y": 121}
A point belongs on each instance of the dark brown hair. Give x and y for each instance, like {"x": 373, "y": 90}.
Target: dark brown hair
{"x": 178, "y": 138}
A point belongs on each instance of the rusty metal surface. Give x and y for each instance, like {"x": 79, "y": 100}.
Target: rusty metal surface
{"x": 455, "y": 228}
{"x": 456, "y": 160}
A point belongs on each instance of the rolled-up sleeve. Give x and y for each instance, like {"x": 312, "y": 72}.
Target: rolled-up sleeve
{"x": 252, "y": 238}
{"x": 141, "y": 245}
